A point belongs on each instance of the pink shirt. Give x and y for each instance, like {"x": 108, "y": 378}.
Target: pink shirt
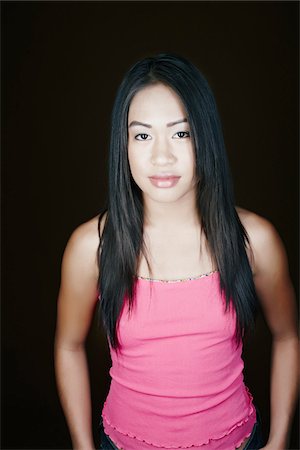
{"x": 178, "y": 380}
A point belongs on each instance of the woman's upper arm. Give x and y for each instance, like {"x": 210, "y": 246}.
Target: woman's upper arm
{"x": 272, "y": 278}
{"x": 77, "y": 296}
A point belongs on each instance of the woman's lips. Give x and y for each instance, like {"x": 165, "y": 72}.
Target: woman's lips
{"x": 164, "y": 181}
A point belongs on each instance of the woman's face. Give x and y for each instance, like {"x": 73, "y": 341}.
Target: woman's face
{"x": 160, "y": 149}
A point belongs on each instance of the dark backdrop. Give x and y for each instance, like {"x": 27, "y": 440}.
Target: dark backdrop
{"x": 61, "y": 66}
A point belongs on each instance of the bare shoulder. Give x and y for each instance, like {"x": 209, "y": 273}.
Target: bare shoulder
{"x": 266, "y": 244}
{"x": 78, "y": 291}
{"x": 87, "y": 234}
{"x": 253, "y": 223}
{"x": 85, "y": 237}
{"x": 271, "y": 275}
{"x": 83, "y": 244}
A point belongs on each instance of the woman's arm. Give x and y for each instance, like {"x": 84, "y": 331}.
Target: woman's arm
{"x": 276, "y": 293}
{"x": 76, "y": 303}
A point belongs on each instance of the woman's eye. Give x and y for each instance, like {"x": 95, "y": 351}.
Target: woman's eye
{"x": 181, "y": 134}
{"x": 142, "y": 137}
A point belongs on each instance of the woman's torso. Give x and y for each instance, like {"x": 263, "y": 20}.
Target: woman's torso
{"x": 172, "y": 257}
{"x": 178, "y": 379}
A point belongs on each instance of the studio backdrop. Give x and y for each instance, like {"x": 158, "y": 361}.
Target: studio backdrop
{"x": 61, "y": 65}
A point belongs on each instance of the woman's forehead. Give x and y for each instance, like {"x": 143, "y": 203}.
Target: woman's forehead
{"x": 156, "y": 101}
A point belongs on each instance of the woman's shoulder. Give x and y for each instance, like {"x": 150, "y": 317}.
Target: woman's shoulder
{"x": 256, "y": 225}
{"x": 88, "y": 232}
{"x": 82, "y": 246}
{"x": 265, "y": 241}
{"x": 251, "y": 219}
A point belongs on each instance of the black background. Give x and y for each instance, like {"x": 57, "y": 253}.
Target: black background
{"x": 61, "y": 65}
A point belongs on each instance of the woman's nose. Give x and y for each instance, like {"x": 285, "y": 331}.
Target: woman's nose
{"x": 162, "y": 154}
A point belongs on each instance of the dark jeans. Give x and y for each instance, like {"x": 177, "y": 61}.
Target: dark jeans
{"x": 105, "y": 442}
{"x": 256, "y": 438}
{"x": 255, "y": 441}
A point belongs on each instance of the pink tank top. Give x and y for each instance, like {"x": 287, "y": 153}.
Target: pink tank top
{"x": 178, "y": 380}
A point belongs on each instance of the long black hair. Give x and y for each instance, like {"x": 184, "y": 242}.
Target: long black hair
{"x": 121, "y": 243}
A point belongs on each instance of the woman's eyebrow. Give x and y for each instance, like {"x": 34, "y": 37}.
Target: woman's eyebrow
{"x": 135, "y": 123}
{"x": 171, "y": 124}
{"x": 147, "y": 125}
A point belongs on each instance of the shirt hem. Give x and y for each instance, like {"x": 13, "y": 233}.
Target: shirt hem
{"x": 203, "y": 443}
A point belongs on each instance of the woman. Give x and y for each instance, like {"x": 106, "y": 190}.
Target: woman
{"x": 178, "y": 270}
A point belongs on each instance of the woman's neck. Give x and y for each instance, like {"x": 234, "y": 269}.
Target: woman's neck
{"x": 172, "y": 215}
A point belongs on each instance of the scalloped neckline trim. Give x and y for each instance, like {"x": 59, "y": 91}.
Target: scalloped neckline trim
{"x": 179, "y": 280}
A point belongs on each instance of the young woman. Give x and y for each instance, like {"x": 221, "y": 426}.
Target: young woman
{"x": 178, "y": 271}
